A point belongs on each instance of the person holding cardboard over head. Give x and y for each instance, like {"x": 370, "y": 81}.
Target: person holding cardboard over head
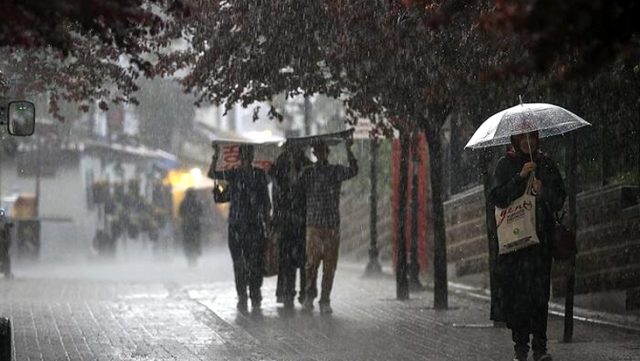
{"x": 322, "y": 182}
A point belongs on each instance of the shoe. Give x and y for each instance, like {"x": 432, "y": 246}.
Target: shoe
{"x": 288, "y": 304}
{"x": 307, "y": 306}
{"x": 520, "y": 357}
{"x": 542, "y": 357}
{"x": 325, "y": 309}
{"x": 255, "y": 305}
{"x": 242, "y": 305}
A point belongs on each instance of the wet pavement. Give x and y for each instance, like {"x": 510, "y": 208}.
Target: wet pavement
{"x": 163, "y": 310}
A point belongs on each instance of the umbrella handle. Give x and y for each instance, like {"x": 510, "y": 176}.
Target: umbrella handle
{"x": 530, "y": 154}
{"x": 529, "y": 145}
{"x": 529, "y": 187}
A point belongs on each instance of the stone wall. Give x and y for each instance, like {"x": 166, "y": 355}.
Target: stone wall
{"x": 467, "y": 245}
{"x": 608, "y": 241}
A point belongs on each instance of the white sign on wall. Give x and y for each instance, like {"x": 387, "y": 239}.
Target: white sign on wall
{"x": 362, "y": 129}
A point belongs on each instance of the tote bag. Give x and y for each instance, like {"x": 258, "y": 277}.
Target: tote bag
{"x": 516, "y": 223}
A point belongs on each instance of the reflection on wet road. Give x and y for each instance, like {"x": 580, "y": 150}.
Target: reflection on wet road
{"x": 163, "y": 310}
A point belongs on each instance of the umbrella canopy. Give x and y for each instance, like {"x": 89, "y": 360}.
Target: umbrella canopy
{"x": 547, "y": 119}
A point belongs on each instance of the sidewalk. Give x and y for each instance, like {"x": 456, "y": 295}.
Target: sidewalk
{"x": 369, "y": 324}
{"x": 176, "y": 313}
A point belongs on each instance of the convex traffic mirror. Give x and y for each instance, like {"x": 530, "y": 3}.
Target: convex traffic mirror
{"x": 22, "y": 118}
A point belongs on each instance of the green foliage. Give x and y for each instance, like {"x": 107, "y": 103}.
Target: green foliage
{"x": 79, "y": 51}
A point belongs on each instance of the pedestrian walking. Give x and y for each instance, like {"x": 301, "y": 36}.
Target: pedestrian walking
{"x": 248, "y": 218}
{"x": 525, "y": 274}
{"x": 322, "y": 182}
{"x": 289, "y": 222}
{"x": 190, "y": 213}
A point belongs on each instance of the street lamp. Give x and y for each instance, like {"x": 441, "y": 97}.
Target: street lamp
{"x": 373, "y": 267}
{"x": 414, "y": 266}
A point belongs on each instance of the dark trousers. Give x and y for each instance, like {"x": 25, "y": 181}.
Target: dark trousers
{"x": 525, "y": 281}
{"x": 322, "y": 245}
{"x": 291, "y": 241}
{"x": 536, "y": 325}
{"x": 191, "y": 241}
{"x": 5, "y": 258}
{"x": 246, "y": 243}
{"x": 287, "y": 282}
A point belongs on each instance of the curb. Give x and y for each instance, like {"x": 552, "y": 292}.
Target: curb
{"x": 604, "y": 319}
{"x": 579, "y": 314}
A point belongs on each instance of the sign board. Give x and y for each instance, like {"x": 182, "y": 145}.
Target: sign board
{"x": 268, "y": 149}
{"x": 230, "y": 156}
{"x": 265, "y": 143}
{"x": 362, "y": 129}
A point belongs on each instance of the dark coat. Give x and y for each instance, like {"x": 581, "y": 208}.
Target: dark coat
{"x": 524, "y": 276}
{"x": 250, "y": 203}
{"x": 191, "y": 211}
{"x": 289, "y": 208}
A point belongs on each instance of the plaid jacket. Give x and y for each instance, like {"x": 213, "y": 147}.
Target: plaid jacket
{"x": 322, "y": 184}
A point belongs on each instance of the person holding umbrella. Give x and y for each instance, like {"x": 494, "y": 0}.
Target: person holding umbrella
{"x": 526, "y": 184}
{"x": 525, "y": 274}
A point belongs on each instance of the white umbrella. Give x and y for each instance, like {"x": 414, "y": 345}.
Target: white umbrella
{"x": 547, "y": 119}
